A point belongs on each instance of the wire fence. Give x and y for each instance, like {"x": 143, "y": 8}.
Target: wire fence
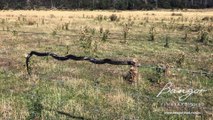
{"x": 188, "y": 71}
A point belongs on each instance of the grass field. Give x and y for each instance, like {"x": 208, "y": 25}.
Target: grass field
{"x": 182, "y": 40}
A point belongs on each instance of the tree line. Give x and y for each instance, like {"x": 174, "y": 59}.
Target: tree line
{"x": 104, "y": 4}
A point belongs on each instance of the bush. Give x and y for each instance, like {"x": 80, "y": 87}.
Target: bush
{"x": 105, "y": 35}
{"x": 176, "y": 14}
{"x": 113, "y": 17}
{"x": 202, "y": 37}
{"x": 152, "y": 34}
{"x": 52, "y": 16}
{"x": 31, "y": 22}
{"x": 100, "y": 17}
{"x": 207, "y": 19}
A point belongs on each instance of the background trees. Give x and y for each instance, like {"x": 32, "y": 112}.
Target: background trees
{"x": 104, "y": 4}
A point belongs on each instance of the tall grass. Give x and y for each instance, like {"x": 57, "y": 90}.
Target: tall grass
{"x": 81, "y": 90}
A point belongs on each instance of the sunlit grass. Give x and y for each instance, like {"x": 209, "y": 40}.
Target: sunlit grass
{"x": 82, "y": 89}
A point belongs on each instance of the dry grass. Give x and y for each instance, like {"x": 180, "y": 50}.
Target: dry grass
{"x": 99, "y": 91}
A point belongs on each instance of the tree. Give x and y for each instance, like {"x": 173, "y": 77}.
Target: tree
{"x": 104, "y": 4}
{"x": 156, "y": 4}
{"x": 205, "y": 3}
{"x": 146, "y": 2}
{"x": 192, "y": 2}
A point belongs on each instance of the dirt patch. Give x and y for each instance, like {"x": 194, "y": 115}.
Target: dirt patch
{"x": 4, "y": 62}
{"x": 7, "y": 64}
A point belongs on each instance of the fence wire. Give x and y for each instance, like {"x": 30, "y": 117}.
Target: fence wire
{"x": 188, "y": 71}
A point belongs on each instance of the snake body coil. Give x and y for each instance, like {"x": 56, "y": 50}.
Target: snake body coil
{"x": 76, "y": 58}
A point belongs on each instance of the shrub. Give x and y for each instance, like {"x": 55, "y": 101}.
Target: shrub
{"x": 31, "y": 22}
{"x": 100, "y": 17}
{"x": 3, "y": 21}
{"x": 113, "y": 17}
{"x": 54, "y": 33}
{"x": 196, "y": 28}
{"x": 185, "y": 38}
{"x": 105, "y": 35}
{"x": 35, "y": 106}
{"x": 52, "y": 16}
{"x": 197, "y": 49}
{"x": 180, "y": 60}
{"x": 152, "y": 34}
{"x": 65, "y": 26}
{"x": 87, "y": 41}
{"x": 176, "y": 14}
{"x": 126, "y": 29}
{"x": 167, "y": 42}
{"x": 203, "y": 37}
{"x": 101, "y": 30}
{"x": 43, "y": 21}
{"x": 207, "y": 18}
{"x": 15, "y": 32}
